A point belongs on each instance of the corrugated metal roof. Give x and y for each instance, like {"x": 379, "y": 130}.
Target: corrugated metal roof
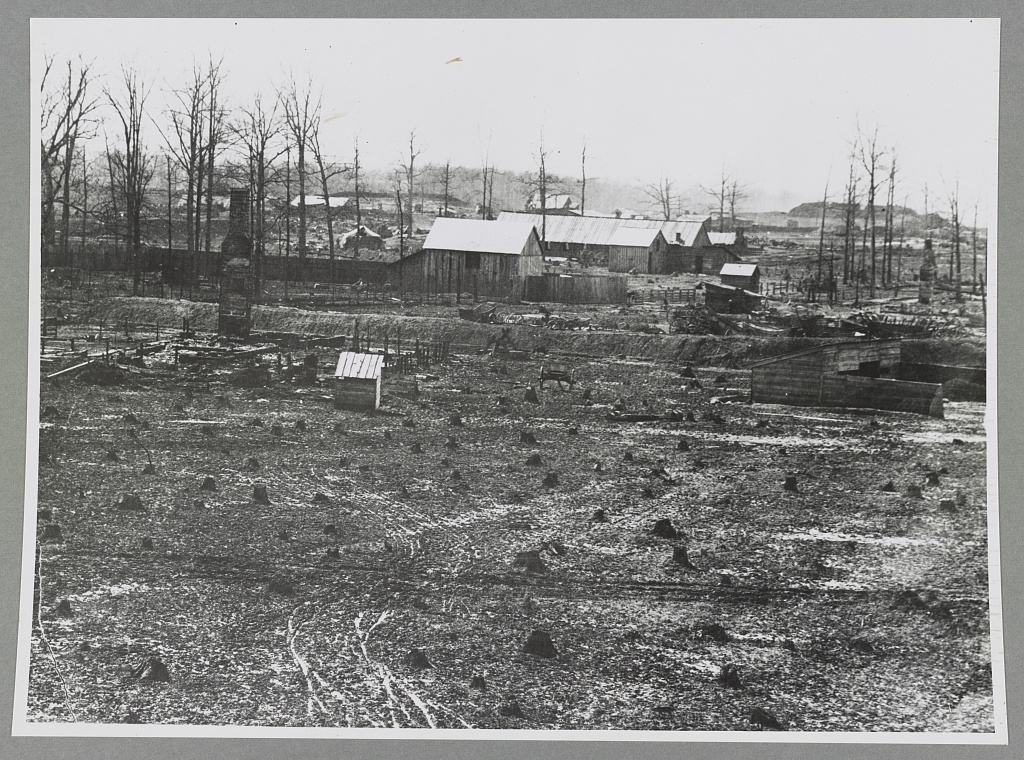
{"x": 637, "y": 237}
{"x": 361, "y": 366}
{"x": 686, "y": 229}
{"x": 479, "y": 235}
{"x": 597, "y": 230}
{"x": 738, "y": 270}
{"x": 722, "y": 238}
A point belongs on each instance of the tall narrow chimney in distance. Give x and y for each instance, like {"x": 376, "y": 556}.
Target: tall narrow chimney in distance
{"x": 236, "y": 282}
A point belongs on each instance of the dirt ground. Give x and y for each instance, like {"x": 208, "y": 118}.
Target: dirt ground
{"x": 843, "y": 606}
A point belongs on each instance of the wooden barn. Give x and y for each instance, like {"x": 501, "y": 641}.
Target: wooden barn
{"x": 475, "y": 256}
{"x": 357, "y": 381}
{"x": 746, "y": 276}
{"x": 637, "y": 249}
{"x": 855, "y": 374}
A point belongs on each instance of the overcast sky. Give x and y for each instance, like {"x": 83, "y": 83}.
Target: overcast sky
{"x": 773, "y": 102}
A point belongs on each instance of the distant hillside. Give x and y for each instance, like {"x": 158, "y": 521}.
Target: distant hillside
{"x": 814, "y": 209}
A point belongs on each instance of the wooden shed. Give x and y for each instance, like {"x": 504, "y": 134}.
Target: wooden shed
{"x": 639, "y": 249}
{"x": 746, "y": 276}
{"x": 485, "y": 258}
{"x": 357, "y": 381}
{"x": 854, "y": 374}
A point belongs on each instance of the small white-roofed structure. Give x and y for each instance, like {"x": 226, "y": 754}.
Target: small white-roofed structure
{"x": 357, "y": 380}
{"x": 746, "y": 276}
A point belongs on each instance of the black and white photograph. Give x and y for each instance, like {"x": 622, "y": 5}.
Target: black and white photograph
{"x": 590, "y": 379}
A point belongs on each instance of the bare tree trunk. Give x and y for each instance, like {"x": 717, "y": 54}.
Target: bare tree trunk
{"x": 821, "y": 238}
{"x": 65, "y": 217}
{"x": 583, "y": 189}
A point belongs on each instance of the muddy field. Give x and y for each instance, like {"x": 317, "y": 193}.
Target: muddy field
{"x": 405, "y": 558}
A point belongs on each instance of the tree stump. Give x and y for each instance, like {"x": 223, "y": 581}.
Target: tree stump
{"x": 914, "y": 492}
{"x": 283, "y": 535}
{"x": 534, "y": 460}
{"x": 339, "y": 429}
{"x": 149, "y": 469}
{"x": 147, "y": 543}
{"x": 788, "y": 645}
{"x": 761, "y": 717}
{"x": 333, "y": 553}
{"x": 252, "y": 464}
{"x": 587, "y": 394}
{"x": 530, "y": 396}
{"x": 599, "y": 516}
{"x": 947, "y": 505}
{"x": 276, "y": 430}
{"x": 511, "y": 709}
{"x": 300, "y": 425}
{"x": 628, "y": 457}
{"x": 451, "y": 444}
{"x": 112, "y": 456}
{"x": 530, "y": 562}
{"x": 527, "y": 437}
{"x": 540, "y": 644}
{"x": 790, "y": 484}
{"x": 417, "y": 660}
{"x": 64, "y": 609}
{"x": 682, "y": 558}
{"x": 259, "y": 494}
{"x": 961, "y": 499}
{"x": 572, "y": 431}
{"x": 416, "y": 448}
{"x": 130, "y": 501}
{"x": 550, "y": 480}
{"x": 456, "y": 475}
{"x": 889, "y": 487}
{"x": 712, "y": 631}
{"x": 446, "y": 462}
{"x": 44, "y": 515}
{"x": 932, "y": 478}
{"x": 364, "y": 468}
{"x": 387, "y": 435}
{"x": 209, "y": 484}
{"x": 408, "y": 422}
{"x": 478, "y": 682}
{"x": 256, "y": 422}
{"x": 729, "y": 677}
{"x": 320, "y": 498}
{"x": 682, "y": 445}
{"x": 663, "y": 528}
{"x": 598, "y": 467}
{"x": 281, "y": 586}
{"x": 153, "y": 670}
{"x": 724, "y": 580}
{"x": 330, "y": 529}
{"x": 647, "y": 492}
{"x": 455, "y": 420}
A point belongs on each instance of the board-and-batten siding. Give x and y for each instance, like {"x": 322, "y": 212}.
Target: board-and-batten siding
{"x": 448, "y": 271}
{"x": 815, "y": 379}
{"x": 649, "y": 260}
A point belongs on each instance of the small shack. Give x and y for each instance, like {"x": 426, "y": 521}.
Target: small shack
{"x": 357, "y": 381}
{"x": 746, "y": 276}
{"x": 637, "y": 249}
{"x": 366, "y": 238}
{"x": 726, "y": 299}
{"x": 854, "y": 374}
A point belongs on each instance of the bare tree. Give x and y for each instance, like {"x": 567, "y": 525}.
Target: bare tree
{"x": 445, "y": 176}
{"x": 721, "y": 196}
{"x": 301, "y": 112}
{"x": 185, "y": 142}
{"x": 850, "y": 223}
{"x": 870, "y": 157}
{"x": 956, "y": 223}
{"x": 821, "y": 238}
{"x": 736, "y": 193}
{"x": 65, "y": 119}
{"x": 327, "y": 172}
{"x": 660, "y": 194}
{"x": 257, "y": 132}
{"x": 890, "y": 222}
{"x": 359, "y": 214}
{"x": 583, "y": 185}
{"x": 215, "y": 121}
{"x": 133, "y": 167}
{"x": 409, "y": 169}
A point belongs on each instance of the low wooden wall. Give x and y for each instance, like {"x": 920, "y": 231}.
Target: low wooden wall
{"x": 554, "y": 288}
{"x": 357, "y": 393}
